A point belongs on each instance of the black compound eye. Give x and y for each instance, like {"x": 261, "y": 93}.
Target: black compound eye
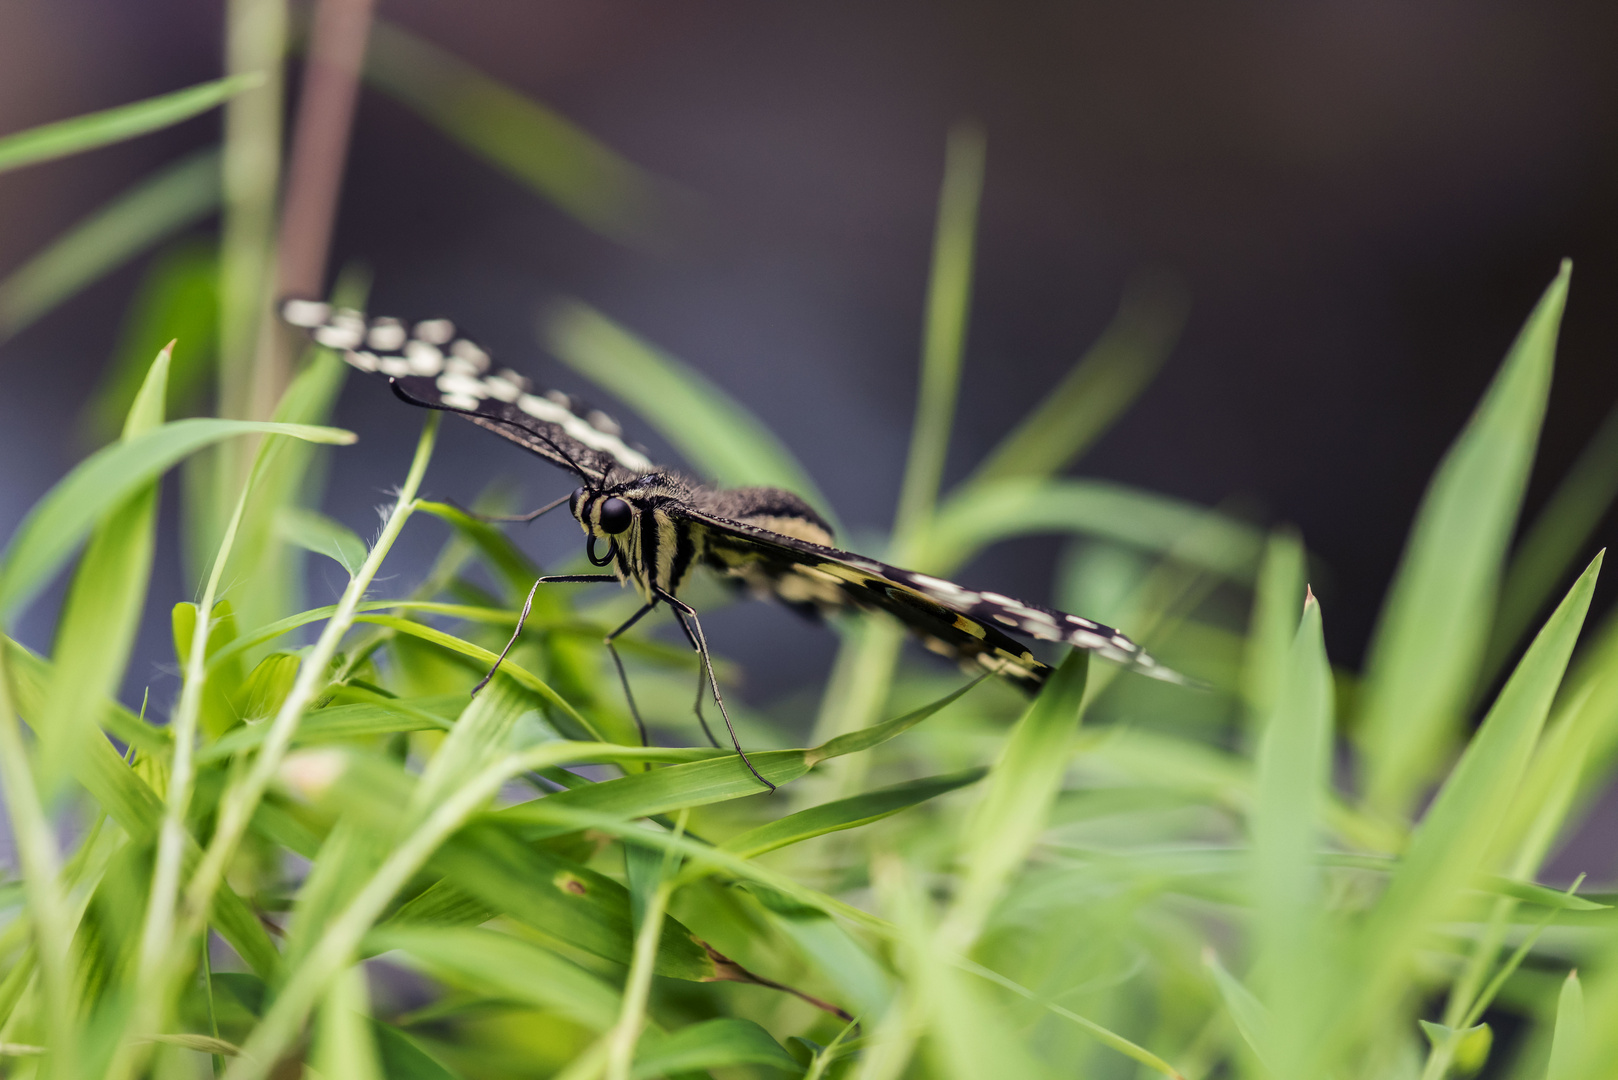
{"x": 615, "y": 516}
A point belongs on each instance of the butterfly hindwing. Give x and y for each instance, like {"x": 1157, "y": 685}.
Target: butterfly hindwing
{"x": 431, "y": 366}
{"x": 967, "y": 625}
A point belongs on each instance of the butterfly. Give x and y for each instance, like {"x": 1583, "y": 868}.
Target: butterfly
{"x": 650, "y": 527}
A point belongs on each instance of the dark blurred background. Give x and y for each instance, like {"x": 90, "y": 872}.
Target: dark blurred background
{"x": 1361, "y": 200}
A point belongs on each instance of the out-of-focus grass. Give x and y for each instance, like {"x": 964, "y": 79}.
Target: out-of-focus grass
{"x": 1121, "y": 878}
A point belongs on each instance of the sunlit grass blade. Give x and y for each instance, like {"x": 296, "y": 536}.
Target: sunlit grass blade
{"x": 526, "y": 140}
{"x": 96, "y": 628}
{"x": 1016, "y": 802}
{"x": 710, "y": 429}
{"x": 1156, "y": 523}
{"x": 117, "y": 124}
{"x": 57, "y": 524}
{"x": 516, "y": 568}
{"x": 1294, "y": 778}
{"x": 321, "y": 535}
{"x": 1429, "y": 642}
{"x": 154, "y": 209}
{"x": 712, "y": 1044}
{"x": 1272, "y": 627}
{"x": 1553, "y": 540}
{"x": 501, "y": 965}
{"x": 847, "y": 813}
{"x": 343, "y": 722}
{"x": 1567, "y": 1043}
{"x": 1108, "y": 378}
{"x": 1253, "y": 1021}
{"x": 343, "y": 1043}
{"x": 1458, "y": 829}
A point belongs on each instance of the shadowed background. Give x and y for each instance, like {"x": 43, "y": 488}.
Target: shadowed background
{"x": 1360, "y": 202}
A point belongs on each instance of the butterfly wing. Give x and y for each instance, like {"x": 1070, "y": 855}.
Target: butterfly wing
{"x": 431, "y": 366}
{"x": 963, "y": 624}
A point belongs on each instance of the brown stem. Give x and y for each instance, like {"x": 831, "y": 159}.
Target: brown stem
{"x": 320, "y": 142}
{"x": 728, "y": 970}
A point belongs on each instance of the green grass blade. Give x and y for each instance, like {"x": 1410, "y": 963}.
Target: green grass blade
{"x": 505, "y": 557}
{"x": 177, "y": 301}
{"x": 524, "y": 139}
{"x": 949, "y": 299}
{"x": 1017, "y": 801}
{"x": 117, "y": 124}
{"x": 344, "y": 722}
{"x": 1108, "y": 378}
{"x": 1253, "y": 1021}
{"x": 1434, "y": 625}
{"x": 1272, "y": 627}
{"x": 1551, "y": 543}
{"x": 343, "y": 1043}
{"x": 315, "y": 532}
{"x": 1446, "y": 851}
{"x": 32, "y": 676}
{"x": 500, "y": 965}
{"x": 1567, "y": 1040}
{"x": 97, "y": 625}
{"x": 57, "y": 524}
{"x": 710, "y": 429}
{"x": 723, "y": 1042}
{"x": 155, "y": 208}
{"x": 987, "y": 514}
{"x": 846, "y": 813}
{"x": 1294, "y": 779}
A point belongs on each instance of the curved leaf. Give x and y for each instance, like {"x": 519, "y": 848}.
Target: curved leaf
{"x": 58, "y": 523}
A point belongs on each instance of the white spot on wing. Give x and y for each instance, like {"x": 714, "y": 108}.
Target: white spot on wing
{"x": 473, "y": 355}
{"x": 365, "y": 361}
{"x": 424, "y": 359}
{"x": 501, "y": 388}
{"x": 305, "y": 313}
{"x": 461, "y": 401}
{"x": 542, "y": 409}
{"x": 387, "y": 335}
{"x": 435, "y": 331}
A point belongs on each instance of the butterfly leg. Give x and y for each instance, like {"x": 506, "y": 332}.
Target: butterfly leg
{"x": 683, "y": 609}
{"x": 527, "y": 606}
{"x": 623, "y": 676}
{"x": 702, "y": 679}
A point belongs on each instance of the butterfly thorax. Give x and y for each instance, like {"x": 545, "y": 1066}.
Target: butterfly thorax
{"x": 637, "y": 526}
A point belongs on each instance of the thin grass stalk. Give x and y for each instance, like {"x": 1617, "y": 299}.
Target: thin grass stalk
{"x": 157, "y": 934}
{"x": 625, "y": 1036}
{"x": 41, "y": 869}
{"x": 242, "y": 798}
{"x": 870, "y": 654}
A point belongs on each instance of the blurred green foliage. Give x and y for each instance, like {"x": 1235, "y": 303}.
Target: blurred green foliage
{"x": 1298, "y": 872}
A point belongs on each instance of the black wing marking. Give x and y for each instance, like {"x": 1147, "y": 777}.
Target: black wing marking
{"x": 958, "y": 622}
{"x": 430, "y": 366}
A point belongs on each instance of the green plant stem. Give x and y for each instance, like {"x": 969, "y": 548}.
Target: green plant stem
{"x": 41, "y": 868}
{"x": 638, "y": 988}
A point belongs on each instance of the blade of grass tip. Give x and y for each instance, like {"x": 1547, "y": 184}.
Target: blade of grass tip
{"x": 625, "y": 1034}
{"x": 526, "y": 140}
{"x": 1272, "y": 627}
{"x": 1458, "y": 829}
{"x": 1429, "y": 643}
{"x": 1551, "y": 543}
{"x": 97, "y": 625}
{"x": 240, "y": 799}
{"x": 1253, "y": 1021}
{"x": 1107, "y": 379}
{"x": 54, "y": 526}
{"x": 1567, "y": 1039}
{"x": 40, "y": 864}
{"x": 867, "y": 657}
{"x": 117, "y": 124}
{"x": 710, "y": 428}
{"x": 1016, "y": 802}
{"x": 1294, "y": 780}
{"x": 155, "y": 208}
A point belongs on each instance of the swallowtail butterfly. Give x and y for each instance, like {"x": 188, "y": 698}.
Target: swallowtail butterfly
{"x": 651, "y": 527}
